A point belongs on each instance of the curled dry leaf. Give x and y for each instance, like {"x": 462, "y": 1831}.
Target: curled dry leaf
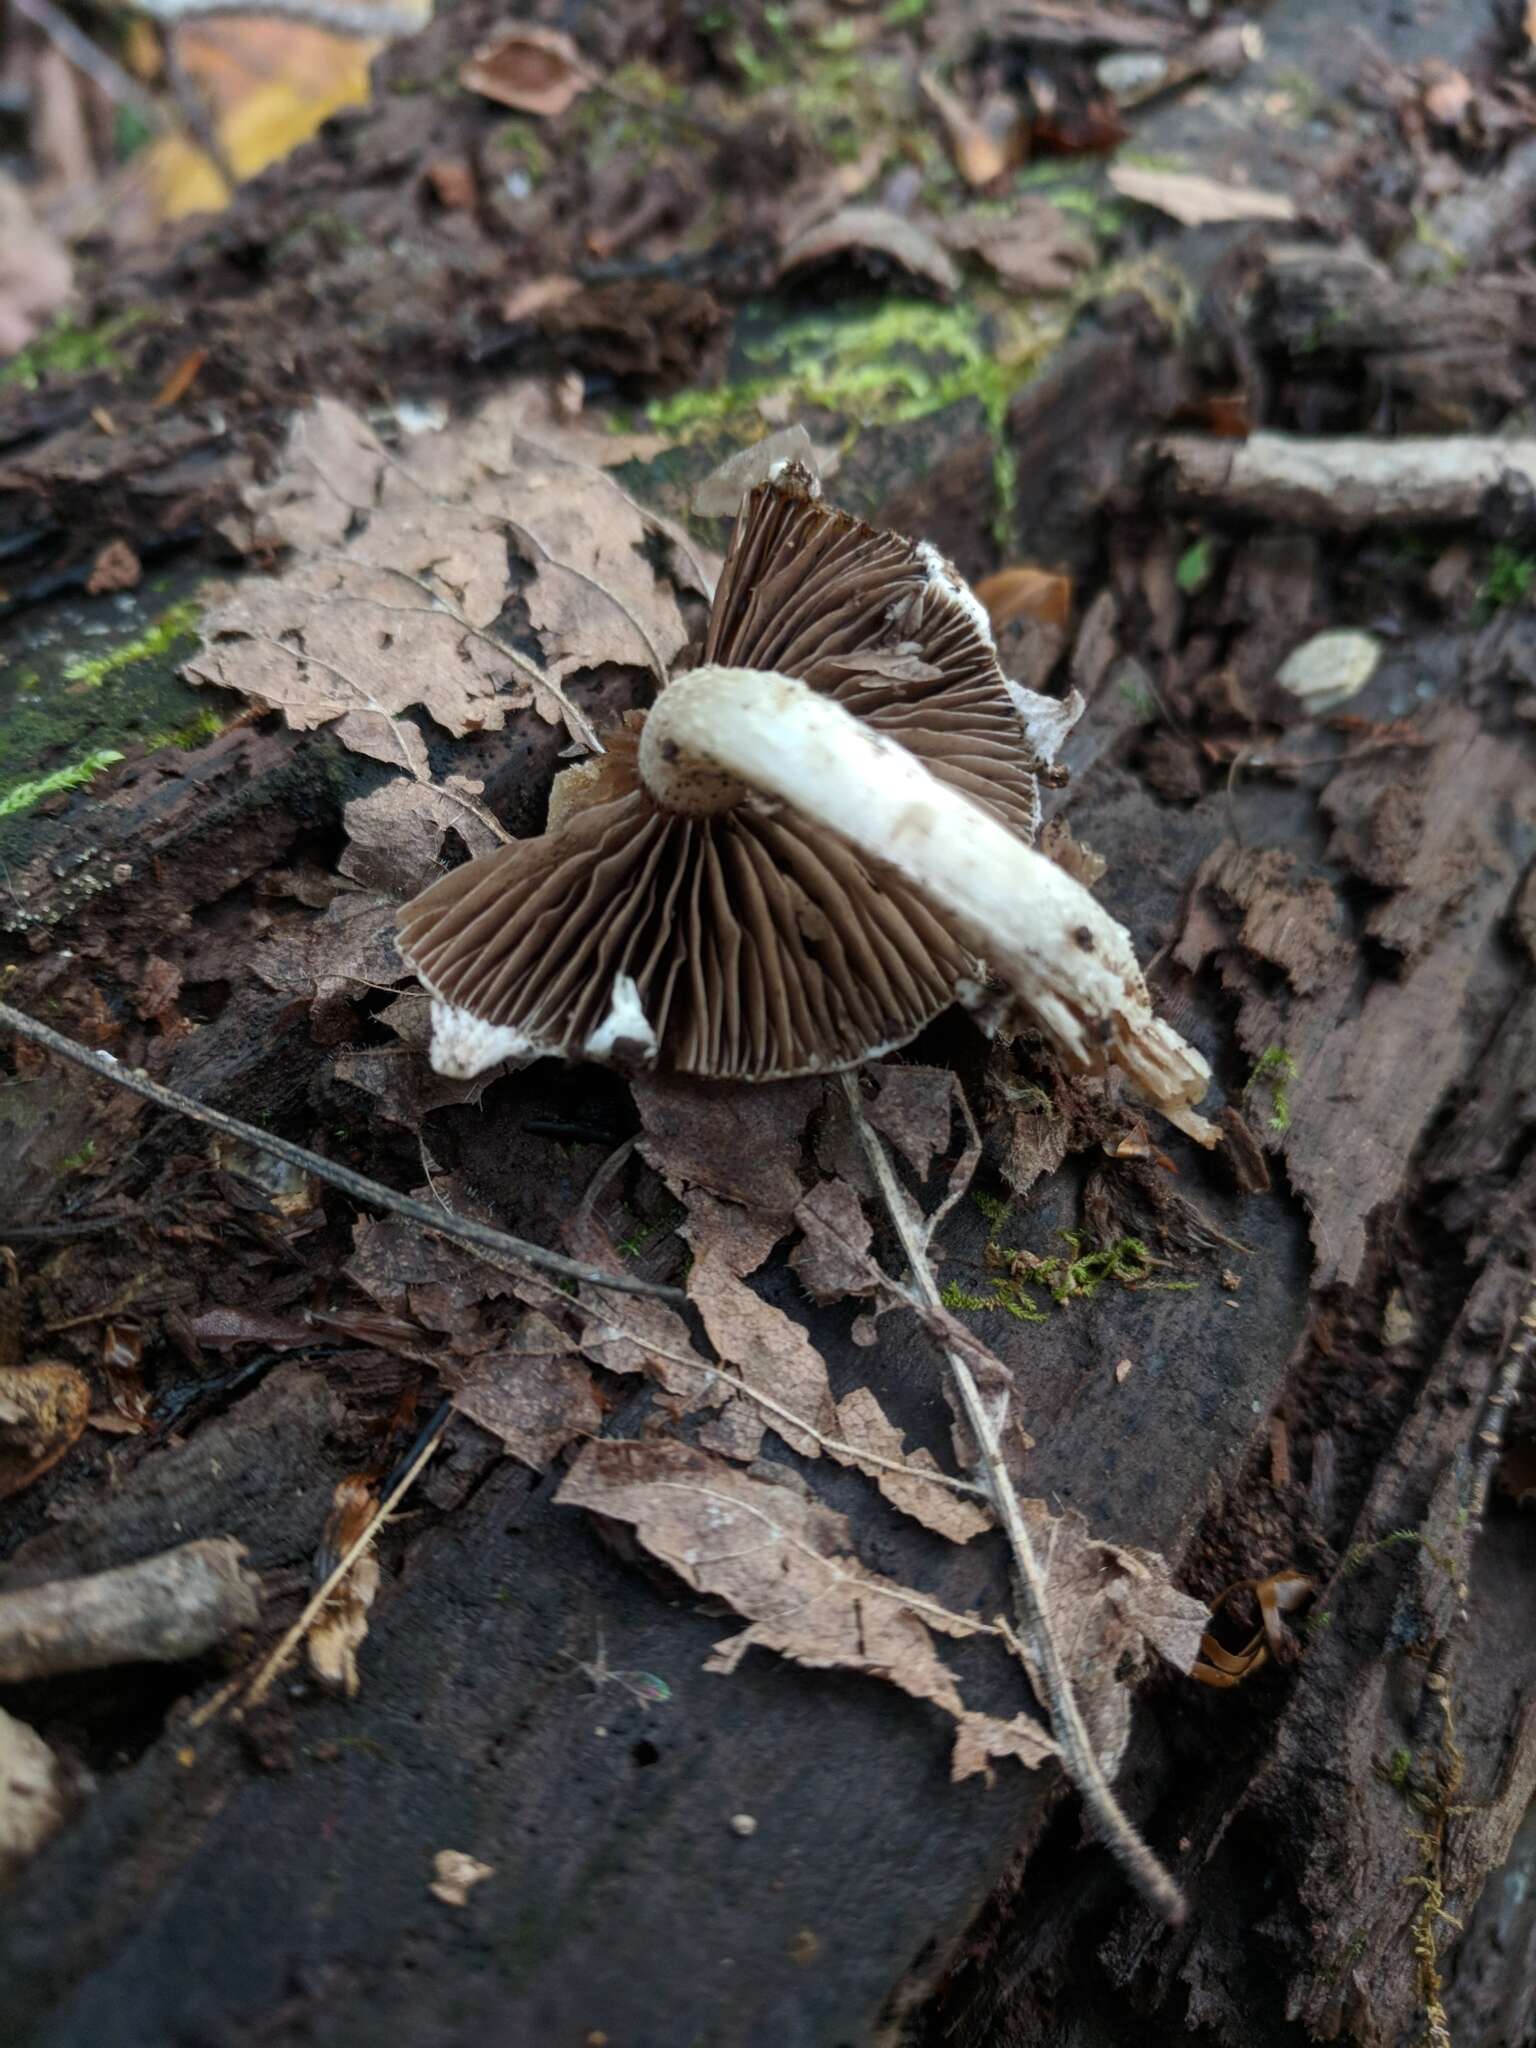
{"x": 1109, "y": 1606}
{"x": 1025, "y": 592}
{"x": 36, "y": 276}
{"x": 758, "y": 1341}
{"x": 1034, "y": 247}
{"x": 395, "y": 834}
{"x": 1195, "y": 201}
{"x": 914, "y": 1108}
{"x": 863, "y": 1423}
{"x": 739, "y": 1140}
{"x": 874, "y": 234}
{"x": 340, "y": 1630}
{"x": 43, "y": 1409}
{"x": 986, "y": 143}
{"x": 786, "y": 1563}
{"x": 456, "y": 1875}
{"x": 535, "y": 70}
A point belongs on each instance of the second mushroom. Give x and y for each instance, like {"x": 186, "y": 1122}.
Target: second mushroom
{"x": 808, "y": 847}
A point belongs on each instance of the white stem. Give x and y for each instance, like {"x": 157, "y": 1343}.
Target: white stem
{"x": 1066, "y": 960}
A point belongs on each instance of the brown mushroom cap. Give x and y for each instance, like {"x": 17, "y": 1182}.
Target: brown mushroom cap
{"x": 750, "y": 944}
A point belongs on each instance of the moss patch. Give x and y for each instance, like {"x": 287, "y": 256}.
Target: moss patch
{"x": 68, "y": 351}
{"x": 66, "y": 714}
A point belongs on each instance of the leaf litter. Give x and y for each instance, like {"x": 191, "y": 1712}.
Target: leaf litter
{"x": 412, "y": 582}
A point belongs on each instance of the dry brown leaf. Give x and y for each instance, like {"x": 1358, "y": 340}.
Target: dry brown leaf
{"x": 864, "y": 1424}
{"x": 43, "y": 1409}
{"x": 36, "y": 277}
{"x": 913, "y": 1107}
{"x": 455, "y": 1875}
{"x": 535, "y": 70}
{"x": 1034, "y": 247}
{"x": 637, "y": 1334}
{"x": 395, "y": 834}
{"x": 1109, "y": 1607}
{"x": 117, "y": 567}
{"x": 756, "y": 1340}
{"x": 1195, "y": 201}
{"x": 536, "y": 1402}
{"x": 399, "y": 574}
{"x": 983, "y": 144}
{"x": 832, "y": 1260}
{"x": 1025, "y": 592}
{"x": 786, "y": 1563}
{"x": 872, "y": 231}
{"x": 740, "y": 1140}
{"x": 342, "y": 1627}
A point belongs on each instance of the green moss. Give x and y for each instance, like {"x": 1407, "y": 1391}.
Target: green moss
{"x": 78, "y": 1160}
{"x": 1508, "y": 581}
{"x": 66, "y": 350}
{"x": 886, "y": 365}
{"x": 521, "y": 138}
{"x": 66, "y": 715}
{"x": 21, "y": 796}
{"x": 1274, "y": 1071}
{"x": 178, "y": 623}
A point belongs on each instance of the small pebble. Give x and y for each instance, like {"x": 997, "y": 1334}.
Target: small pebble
{"x": 743, "y": 1824}
{"x": 1329, "y": 669}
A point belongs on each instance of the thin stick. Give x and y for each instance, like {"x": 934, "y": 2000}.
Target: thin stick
{"x": 272, "y": 1669}
{"x": 1077, "y": 1752}
{"x": 481, "y": 1236}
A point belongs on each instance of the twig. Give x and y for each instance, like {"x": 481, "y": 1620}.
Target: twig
{"x": 97, "y": 66}
{"x": 273, "y": 1668}
{"x": 161, "y": 1610}
{"x": 1348, "y": 483}
{"x": 481, "y": 1236}
{"x": 339, "y": 16}
{"x": 1077, "y": 1752}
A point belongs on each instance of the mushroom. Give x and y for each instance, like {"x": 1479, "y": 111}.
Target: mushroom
{"x": 809, "y": 846}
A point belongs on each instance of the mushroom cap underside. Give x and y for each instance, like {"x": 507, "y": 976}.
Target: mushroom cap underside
{"x": 752, "y": 944}
{"x": 749, "y": 946}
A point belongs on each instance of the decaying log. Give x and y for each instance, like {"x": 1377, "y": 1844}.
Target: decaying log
{"x": 1349, "y": 483}
{"x": 158, "y": 1611}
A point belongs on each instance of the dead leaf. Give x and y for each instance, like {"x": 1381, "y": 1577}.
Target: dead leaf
{"x": 1109, "y": 1607}
{"x": 833, "y": 1260}
{"x": 457, "y": 1875}
{"x": 536, "y": 1402}
{"x": 757, "y": 1341}
{"x": 453, "y": 183}
{"x": 873, "y": 232}
{"x": 983, "y": 144}
{"x": 33, "y": 1794}
{"x": 914, "y": 1108}
{"x": 536, "y": 295}
{"x": 1034, "y": 247}
{"x": 739, "y": 1140}
{"x": 43, "y": 1410}
{"x": 395, "y": 834}
{"x": 342, "y": 1627}
{"x": 535, "y": 70}
{"x": 1026, "y": 593}
{"x": 1196, "y": 201}
{"x": 786, "y": 1563}
{"x": 862, "y": 1422}
{"x": 400, "y": 573}
{"x": 115, "y": 568}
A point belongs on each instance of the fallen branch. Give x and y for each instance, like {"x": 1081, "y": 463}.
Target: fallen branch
{"x": 357, "y": 1185}
{"x": 1067, "y": 1725}
{"x": 1349, "y": 483}
{"x": 159, "y": 1611}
